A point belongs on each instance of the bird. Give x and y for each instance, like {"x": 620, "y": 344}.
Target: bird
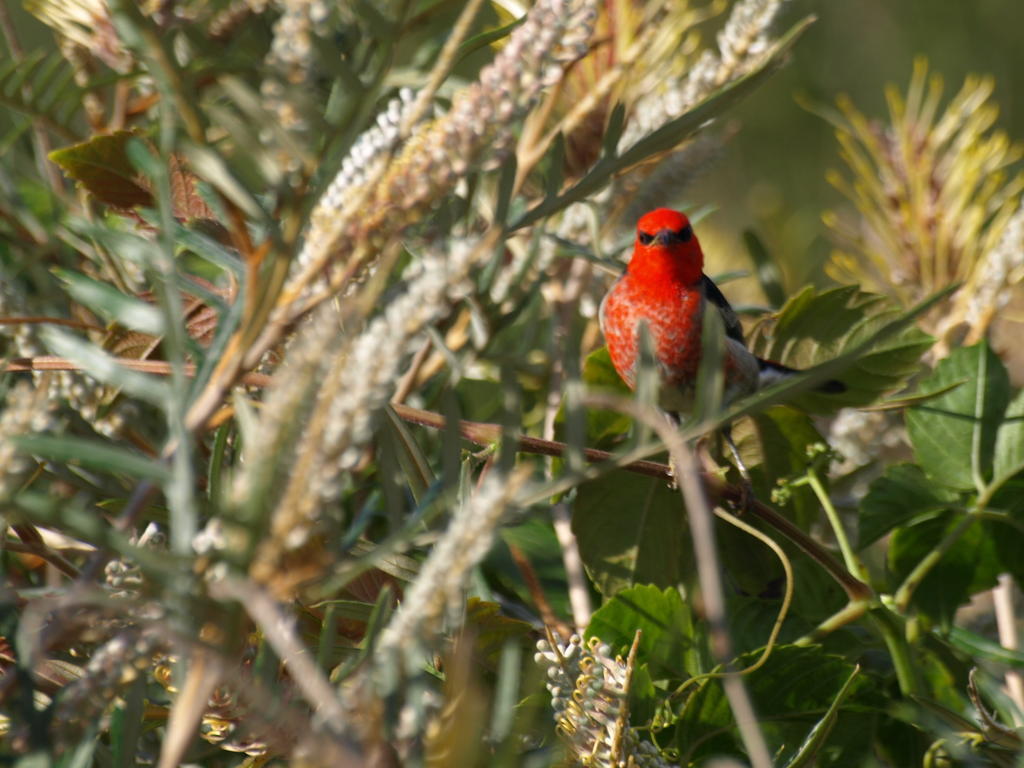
{"x": 664, "y": 287}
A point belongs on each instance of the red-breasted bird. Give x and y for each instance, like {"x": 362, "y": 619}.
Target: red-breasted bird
{"x": 665, "y": 287}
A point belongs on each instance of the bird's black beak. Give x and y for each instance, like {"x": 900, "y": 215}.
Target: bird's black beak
{"x": 666, "y": 237}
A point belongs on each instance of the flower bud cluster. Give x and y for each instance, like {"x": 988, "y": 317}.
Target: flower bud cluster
{"x": 123, "y": 575}
{"x": 589, "y": 694}
{"x": 741, "y": 43}
{"x": 26, "y": 409}
{"x": 476, "y": 133}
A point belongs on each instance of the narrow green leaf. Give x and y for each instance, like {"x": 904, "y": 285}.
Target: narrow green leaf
{"x": 103, "y": 367}
{"x": 212, "y": 167}
{"x": 126, "y": 725}
{"x": 93, "y": 454}
{"x": 410, "y": 455}
{"x": 376, "y": 622}
{"x": 981, "y": 647}
{"x": 768, "y": 274}
{"x": 108, "y": 302}
{"x": 473, "y": 44}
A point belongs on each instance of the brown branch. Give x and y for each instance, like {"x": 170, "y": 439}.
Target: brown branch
{"x": 719, "y": 491}
{"x": 158, "y": 367}
{"x": 486, "y": 434}
{"x": 533, "y": 586}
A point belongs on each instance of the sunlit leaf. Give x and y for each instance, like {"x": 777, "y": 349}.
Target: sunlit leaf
{"x": 954, "y": 435}
{"x": 631, "y": 530}
{"x": 670, "y": 646}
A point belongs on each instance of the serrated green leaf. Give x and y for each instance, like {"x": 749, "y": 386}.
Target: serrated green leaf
{"x": 954, "y": 435}
{"x": 813, "y": 328}
{"x": 1008, "y": 458}
{"x": 670, "y": 644}
{"x": 102, "y": 166}
{"x": 604, "y": 428}
{"x": 971, "y": 565}
{"x": 790, "y": 693}
{"x": 901, "y": 494}
{"x": 815, "y": 740}
{"x": 631, "y": 530}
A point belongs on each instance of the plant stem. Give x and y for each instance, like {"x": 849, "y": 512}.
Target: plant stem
{"x": 929, "y": 561}
{"x": 899, "y": 649}
{"x": 846, "y": 615}
{"x": 853, "y": 564}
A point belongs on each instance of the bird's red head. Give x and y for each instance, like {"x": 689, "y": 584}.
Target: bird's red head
{"x": 666, "y": 247}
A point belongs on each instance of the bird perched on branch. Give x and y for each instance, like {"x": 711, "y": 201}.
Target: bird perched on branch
{"x": 665, "y": 287}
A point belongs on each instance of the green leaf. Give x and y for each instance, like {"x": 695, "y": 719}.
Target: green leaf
{"x": 535, "y": 537}
{"x": 93, "y": 454}
{"x": 768, "y": 274}
{"x": 605, "y": 428}
{"x": 971, "y": 565}
{"x": 51, "y": 97}
{"x": 414, "y": 463}
{"x": 102, "y": 166}
{"x": 1008, "y": 459}
{"x": 105, "y": 368}
{"x": 815, "y": 740}
{"x": 901, "y": 494}
{"x": 475, "y": 43}
{"x": 670, "y": 643}
{"x": 954, "y": 435}
{"x": 631, "y": 530}
{"x": 814, "y": 328}
{"x": 492, "y": 628}
{"x": 791, "y": 693}
{"x": 111, "y": 304}
{"x": 783, "y": 435}
{"x": 982, "y": 647}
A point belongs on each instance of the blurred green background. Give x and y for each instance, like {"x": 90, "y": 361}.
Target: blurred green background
{"x": 771, "y": 176}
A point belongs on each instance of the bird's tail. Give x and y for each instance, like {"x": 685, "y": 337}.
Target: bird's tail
{"x": 771, "y": 372}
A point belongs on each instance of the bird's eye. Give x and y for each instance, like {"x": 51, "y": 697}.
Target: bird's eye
{"x": 645, "y": 238}
{"x": 685, "y": 233}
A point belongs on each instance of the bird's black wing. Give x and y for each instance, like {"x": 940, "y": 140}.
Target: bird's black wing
{"x": 733, "y": 329}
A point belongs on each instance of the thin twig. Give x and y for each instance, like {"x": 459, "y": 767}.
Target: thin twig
{"x": 489, "y": 434}
{"x": 280, "y": 633}
{"x": 705, "y": 551}
{"x": 533, "y": 586}
{"x": 1006, "y": 622}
